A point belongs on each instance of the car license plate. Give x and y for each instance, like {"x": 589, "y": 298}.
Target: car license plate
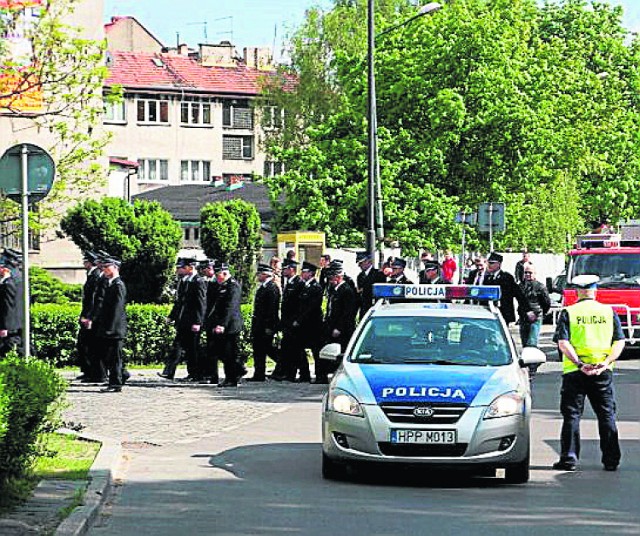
{"x": 425, "y": 437}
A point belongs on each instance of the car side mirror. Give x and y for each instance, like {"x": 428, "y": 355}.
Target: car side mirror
{"x": 331, "y": 352}
{"x": 532, "y": 356}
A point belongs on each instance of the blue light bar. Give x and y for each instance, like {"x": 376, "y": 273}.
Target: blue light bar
{"x": 392, "y": 291}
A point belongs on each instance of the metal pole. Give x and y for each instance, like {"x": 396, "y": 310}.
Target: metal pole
{"x": 490, "y": 227}
{"x": 26, "y": 333}
{"x": 462, "y": 257}
{"x": 371, "y": 174}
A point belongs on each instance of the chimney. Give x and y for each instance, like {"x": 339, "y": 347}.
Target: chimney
{"x": 258, "y": 58}
{"x": 220, "y": 55}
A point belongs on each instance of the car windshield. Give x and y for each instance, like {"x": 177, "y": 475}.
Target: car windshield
{"x": 615, "y": 270}
{"x": 440, "y": 341}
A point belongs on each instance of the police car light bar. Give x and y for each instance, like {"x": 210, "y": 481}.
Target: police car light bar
{"x": 392, "y": 291}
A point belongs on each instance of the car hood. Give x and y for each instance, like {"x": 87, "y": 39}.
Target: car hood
{"x": 378, "y": 384}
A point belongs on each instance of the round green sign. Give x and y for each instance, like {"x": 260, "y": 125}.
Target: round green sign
{"x": 40, "y": 172}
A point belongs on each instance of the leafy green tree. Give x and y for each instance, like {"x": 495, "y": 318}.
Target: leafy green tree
{"x": 68, "y": 70}
{"x": 143, "y": 235}
{"x": 231, "y": 232}
{"x": 533, "y": 105}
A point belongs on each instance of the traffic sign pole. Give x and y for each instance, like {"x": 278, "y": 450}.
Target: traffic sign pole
{"x": 26, "y": 331}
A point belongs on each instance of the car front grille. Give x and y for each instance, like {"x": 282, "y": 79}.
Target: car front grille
{"x": 434, "y": 451}
{"x": 442, "y": 413}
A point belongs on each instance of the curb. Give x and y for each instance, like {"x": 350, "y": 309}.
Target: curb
{"x": 98, "y": 490}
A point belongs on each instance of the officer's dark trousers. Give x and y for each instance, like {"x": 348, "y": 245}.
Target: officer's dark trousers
{"x": 89, "y": 359}
{"x": 112, "y": 356}
{"x": 599, "y": 390}
{"x": 290, "y": 355}
{"x": 185, "y": 345}
{"x": 209, "y": 361}
{"x": 262, "y": 347}
{"x": 226, "y": 349}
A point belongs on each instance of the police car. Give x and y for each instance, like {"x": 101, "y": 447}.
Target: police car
{"x": 431, "y": 376}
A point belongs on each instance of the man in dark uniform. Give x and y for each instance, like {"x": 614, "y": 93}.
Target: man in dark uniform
{"x": 590, "y": 338}
{"x": 509, "y": 290}
{"x": 110, "y": 324}
{"x": 92, "y": 368}
{"x": 340, "y": 318}
{"x": 367, "y": 277}
{"x": 431, "y": 274}
{"x": 325, "y": 260}
{"x": 188, "y": 315}
{"x": 397, "y": 275}
{"x": 10, "y": 304}
{"x": 291, "y": 346}
{"x": 309, "y": 324}
{"x": 206, "y": 360}
{"x": 224, "y": 323}
{"x": 264, "y": 322}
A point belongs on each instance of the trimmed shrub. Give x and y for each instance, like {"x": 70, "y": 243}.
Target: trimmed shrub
{"x": 33, "y": 393}
{"x": 46, "y": 288}
{"x": 149, "y": 339}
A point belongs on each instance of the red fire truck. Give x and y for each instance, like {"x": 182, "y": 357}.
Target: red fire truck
{"x": 615, "y": 258}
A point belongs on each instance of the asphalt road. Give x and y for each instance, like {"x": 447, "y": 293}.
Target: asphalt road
{"x": 263, "y": 477}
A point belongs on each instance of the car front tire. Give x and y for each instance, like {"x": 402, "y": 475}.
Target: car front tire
{"x": 332, "y": 470}
{"x": 518, "y": 473}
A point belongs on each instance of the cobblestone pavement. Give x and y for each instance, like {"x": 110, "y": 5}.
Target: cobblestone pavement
{"x": 159, "y": 412}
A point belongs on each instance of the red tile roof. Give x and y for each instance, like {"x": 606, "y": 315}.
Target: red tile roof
{"x": 137, "y": 70}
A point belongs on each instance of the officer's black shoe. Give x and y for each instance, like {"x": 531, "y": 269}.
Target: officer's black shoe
{"x": 228, "y": 383}
{"x": 112, "y": 389}
{"x": 277, "y": 377}
{"x": 81, "y": 377}
{"x": 165, "y": 376}
{"x": 565, "y": 466}
{"x": 125, "y": 376}
{"x": 610, "y": 466}
{"x": 256, "y": 379}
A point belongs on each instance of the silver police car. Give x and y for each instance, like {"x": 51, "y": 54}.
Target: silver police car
{"x": 429, "y": 382}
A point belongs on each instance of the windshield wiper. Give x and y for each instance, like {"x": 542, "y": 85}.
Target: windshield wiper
{"x": 367, "y": 358}
{"x": 432, "y": 361}
{"x": 628, "y": 282}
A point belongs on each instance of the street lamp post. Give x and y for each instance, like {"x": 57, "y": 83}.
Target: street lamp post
{"x": 374, "y": 189}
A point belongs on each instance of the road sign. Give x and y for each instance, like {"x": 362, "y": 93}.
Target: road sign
{"x": 40, "y": 172}
{"x": 470, "y": 218}
{"x": 491, "y": 218}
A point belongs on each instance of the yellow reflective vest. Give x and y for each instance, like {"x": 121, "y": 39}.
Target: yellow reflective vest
{"x": 590, "y": 331}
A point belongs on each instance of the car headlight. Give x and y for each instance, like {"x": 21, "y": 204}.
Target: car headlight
{"x": 342, "y": 402}
{"x": 505, "y": 406}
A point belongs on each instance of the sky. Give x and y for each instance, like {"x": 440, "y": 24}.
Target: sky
{"x": 244, "y": 22}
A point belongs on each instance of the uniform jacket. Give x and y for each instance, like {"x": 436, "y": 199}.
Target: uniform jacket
{"x": 89, "y": 292}
{"x": 341, "y": 311}
{"x": 110, "y": 318}
{"x": 509, "y": 290}
{"x": 365, "y": 287}
{"x": 290, "y": 302}
{"x": 226, "y": 308}
{"x": 212, "y": 292}
{"x": 310, "y": 312}
{"x": 10, "y": 311}
{"x": 473, "y": 274}
{"x": 191, "y": 302}
{"x": 266, "y": 307}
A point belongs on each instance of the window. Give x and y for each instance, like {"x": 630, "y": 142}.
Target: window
{"x": 194, "y": 111}
{"x": 187, "y": 233}
{"x": 237, "y": 147}
{"x": 195, "y": 170}
{"x": 153, "y": 111}
{"x": 115, "y": 112}
{"x": 273, "y": 169}
{"x": 273, "y": 117}
{"x": 237, "y": 114}
{"x": 153, "y": 170}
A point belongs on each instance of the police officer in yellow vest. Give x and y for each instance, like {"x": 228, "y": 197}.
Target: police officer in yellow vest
{"x": 590, "y": 338}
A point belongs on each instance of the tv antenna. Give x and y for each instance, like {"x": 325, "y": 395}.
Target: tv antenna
{"x": 228, "y": 32}
{"x": 204, "y": 28}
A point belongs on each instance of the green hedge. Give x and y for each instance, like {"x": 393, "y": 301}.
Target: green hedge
{"x": 45, "y": 288}
{"x": 30, "y": 402}
{"x": 149, "y": 340}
